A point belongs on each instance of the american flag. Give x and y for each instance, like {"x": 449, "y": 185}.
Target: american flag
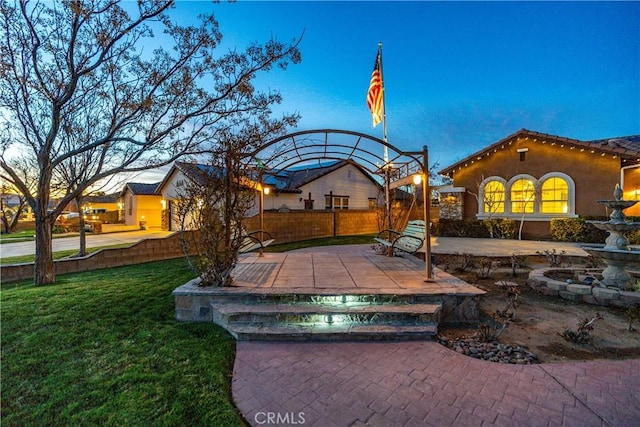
{"x": 375, "y": 93}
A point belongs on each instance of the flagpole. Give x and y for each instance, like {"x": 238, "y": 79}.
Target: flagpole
{"x": 387, "y": 166}
{"x": 384, "y": 109}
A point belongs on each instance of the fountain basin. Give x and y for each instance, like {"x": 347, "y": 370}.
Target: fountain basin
{"x": 614, "y": 275}
{"x": 617, "y": 204}
{"x": 624, "y": 255}
{"x": 620, "y": 227}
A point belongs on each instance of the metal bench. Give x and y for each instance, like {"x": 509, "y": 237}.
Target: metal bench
{"x": 409, "y": 240}
{"x": 253, "y": 240}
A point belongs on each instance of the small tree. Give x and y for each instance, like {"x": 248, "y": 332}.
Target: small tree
{"x": 490, "y": 198}
{"x": 215, "y": 200}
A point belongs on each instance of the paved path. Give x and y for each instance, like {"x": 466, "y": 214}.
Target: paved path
{"x": 69, "y": 243}
{"x": 501, "y": 247}
{"x": 492, "y": 247}
{"x": 426, "y": 384}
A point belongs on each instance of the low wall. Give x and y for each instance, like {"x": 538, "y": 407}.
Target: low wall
{"x": 579, "y": 292}
{"x": 294, "y": 226}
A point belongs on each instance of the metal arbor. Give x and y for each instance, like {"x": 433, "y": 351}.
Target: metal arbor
{"x": 304, "y": 147}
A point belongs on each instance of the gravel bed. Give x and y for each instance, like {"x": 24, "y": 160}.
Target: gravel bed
{"x": 491, "y": 351}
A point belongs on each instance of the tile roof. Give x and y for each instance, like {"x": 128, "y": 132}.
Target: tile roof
{"x": 106, "y": 198}
{"x": 626, "y": 147}
{"x": 285, "y": 181}
{"x": 194, "y": 171}
{"x": 140, "y": 188}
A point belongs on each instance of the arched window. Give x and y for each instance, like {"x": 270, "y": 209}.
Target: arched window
{"x": 554, "y": 197}
{"x": 522, "y": 196}
{"x": 493, "y": 197}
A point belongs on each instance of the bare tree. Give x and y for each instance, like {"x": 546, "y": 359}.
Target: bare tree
{"x": 25, "y": 169}
{"x": 525, "y": 203}
{"x": 215, "y": 200}
{"x": 71, "y": 64}
{"x": 10, "y": 215}
{"x": 491, "y": 201}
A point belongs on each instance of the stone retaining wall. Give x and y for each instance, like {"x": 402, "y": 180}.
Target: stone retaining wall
{"x": 579, "y": 292}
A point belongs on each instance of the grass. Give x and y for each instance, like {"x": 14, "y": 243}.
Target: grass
{"x": 56, "y": 255}
{"x": 29, "y": 236}
{"x": 103, "y": 348}
{"x": 325, "y": 241}
{"x": 18, "y": 236}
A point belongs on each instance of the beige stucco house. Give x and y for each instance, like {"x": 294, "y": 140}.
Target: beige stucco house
{"x": 540, "y": 177}
{"x": 141, "y": 205}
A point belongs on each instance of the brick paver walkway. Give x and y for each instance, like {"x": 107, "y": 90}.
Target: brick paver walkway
{"x": 425, "y": 384}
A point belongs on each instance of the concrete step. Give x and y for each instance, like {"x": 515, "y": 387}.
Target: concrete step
{"x": 327, "y": 322}
{"x": 333, "y": 332}
{"x": 410, "y": 314}
{"x": 275, "y": 296}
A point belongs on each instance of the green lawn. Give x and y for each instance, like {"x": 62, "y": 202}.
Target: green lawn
{"x": 325, "y": 241}
{"x": 56, "y": 255}
{"x": 29, "y": 235}
{"x": 103, "y": 348}
{"x": 18, "y": 236}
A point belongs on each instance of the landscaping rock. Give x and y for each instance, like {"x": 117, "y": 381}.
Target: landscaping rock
{"x": 604, "y": 293}
{"x": 570, "y": 296}
{"x": 579, "y": 289}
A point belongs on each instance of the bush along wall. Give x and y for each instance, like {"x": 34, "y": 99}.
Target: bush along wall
{"x": 460, "y": 228}
{"x": 578, "y": 230}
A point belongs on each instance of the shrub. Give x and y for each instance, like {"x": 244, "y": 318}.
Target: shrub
{"x": 554, "y": 258}
{"x": 507, "y": 228}
{"x": 582, "y": 334}
{"x": 461, "y": 228}
{"x": 568, "y": 229}
{"x": 576, "y": 230}
{"x": 459, "y": 262}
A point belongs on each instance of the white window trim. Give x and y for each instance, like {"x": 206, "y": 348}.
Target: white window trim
{"x": 571, "y": 213}
{"x": 537, "y": 183}
{"x": 481, "y": 214}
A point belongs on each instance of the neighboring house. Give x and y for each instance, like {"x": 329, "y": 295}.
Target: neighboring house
{"x": 101, "y": 204}
{"x": 328, "y": 186}
{"x": 170, "y": 190}
{"x": 141, "y": 204}
{"x": 539, "y": 177}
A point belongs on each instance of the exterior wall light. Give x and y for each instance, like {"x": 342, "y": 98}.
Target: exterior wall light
{"x": 266, "y": 190}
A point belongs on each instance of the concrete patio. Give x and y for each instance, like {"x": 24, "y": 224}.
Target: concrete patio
{"x": 338, "y": 293}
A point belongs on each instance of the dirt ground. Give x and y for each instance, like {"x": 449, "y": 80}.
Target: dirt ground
{"x": 540, "y": 320}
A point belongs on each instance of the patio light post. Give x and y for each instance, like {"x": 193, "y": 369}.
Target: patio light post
{"x": 427, "y": 213}
{"x": 263, "y": 190}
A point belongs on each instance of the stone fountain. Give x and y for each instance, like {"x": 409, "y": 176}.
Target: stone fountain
{"x": 616, "y": 252}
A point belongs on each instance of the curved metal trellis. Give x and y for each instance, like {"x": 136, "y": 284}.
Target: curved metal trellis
{"x": 305, "y": 147}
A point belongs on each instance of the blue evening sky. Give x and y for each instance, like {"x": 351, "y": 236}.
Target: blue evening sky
{"x": 458, "y": 75}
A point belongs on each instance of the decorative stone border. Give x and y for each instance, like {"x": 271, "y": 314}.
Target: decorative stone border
{"x": 579, "y": 292}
